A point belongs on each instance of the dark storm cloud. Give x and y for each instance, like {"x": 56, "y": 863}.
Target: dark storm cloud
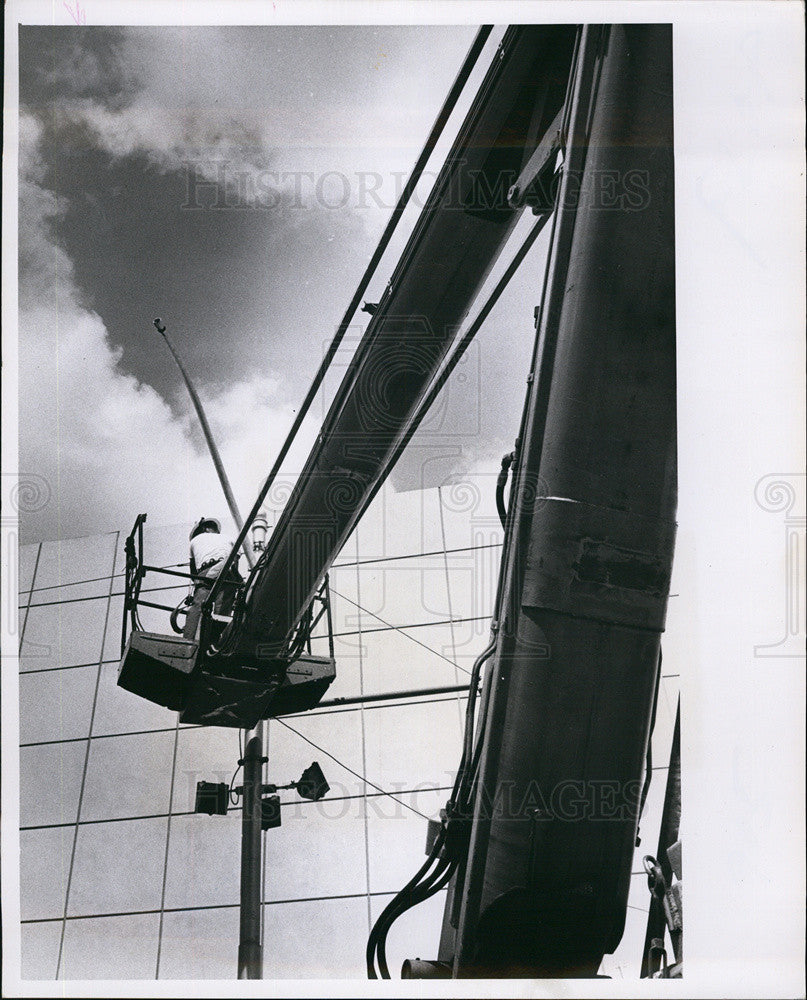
{"x": 228, "y": 283}
{"x": 253, "y": 286}
{"x": 213, "y": 177}
{"x": 57, "y": 61}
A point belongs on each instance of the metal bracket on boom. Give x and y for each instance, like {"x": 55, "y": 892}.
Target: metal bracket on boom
{"x": 536, "y": 183}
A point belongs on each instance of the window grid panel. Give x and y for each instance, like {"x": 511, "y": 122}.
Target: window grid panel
{"x": 441, "y": 638}
{"x": 167, "y": 848}
{"x": 28, "y": 602}
{"x": 396, "y": 794}
{"x": 86, "y": 760}
{"x": 120, "y": 947}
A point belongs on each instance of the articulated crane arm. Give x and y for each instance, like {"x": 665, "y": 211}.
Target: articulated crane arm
{"x": 538, "y": 836}
{"x": 245, "y": 674}
{"x": 541, "y": 834}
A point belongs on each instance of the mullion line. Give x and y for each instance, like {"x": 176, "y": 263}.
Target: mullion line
{"x": 167, "y": 847}
{"x": 231, "y": 906}
{"x": 208, "y": 906}
{"x": 363, "y": 562}
{"x": 336, "y": 635}
{"x": 66, "y": 666}
{"x": 418, "y": 555}
{"x": 101, "y": 597}
{"x": 235, "y": 809}
{"x": 84, "y": 771}
{"x": 98, "y": 579}
{"x": 335, "y": 710}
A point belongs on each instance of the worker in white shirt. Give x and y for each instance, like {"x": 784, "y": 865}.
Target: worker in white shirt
{"x": 209, "y": 551}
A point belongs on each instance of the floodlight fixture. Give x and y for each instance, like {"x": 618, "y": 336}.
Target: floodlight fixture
{"x": 270, "y": 812}
{"x": 312, "y": 785}
{"x": 212, "y": 798}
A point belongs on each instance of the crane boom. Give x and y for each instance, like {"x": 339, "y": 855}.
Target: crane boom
{"x": 461, "y": 231}
{"x": 540, "y": 868}
{"x": 543, "y": 890}
{"x": 253, "y": 670}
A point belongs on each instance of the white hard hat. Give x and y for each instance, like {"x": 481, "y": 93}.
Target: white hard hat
{"x": 202, "y": 523}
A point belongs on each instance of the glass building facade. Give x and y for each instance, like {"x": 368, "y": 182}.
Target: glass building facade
{"x": 121, "y": 880}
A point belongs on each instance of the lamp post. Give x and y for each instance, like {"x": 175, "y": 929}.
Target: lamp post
{"x": 250, "y": 949}
{"x": 261, "y": 812}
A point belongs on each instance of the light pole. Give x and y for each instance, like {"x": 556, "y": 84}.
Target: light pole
{"x": 250, "y": 949}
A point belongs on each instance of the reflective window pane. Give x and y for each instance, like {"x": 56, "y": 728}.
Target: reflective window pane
{"x": 200, "y": 944}
{"x": 40, "y": 949}
{"x": 412, "y": 744}
{"x": 75, "y": 559}
{"x": 403, "y": 593}
{"x": 50, "y": 782}
{"x": 414, "y": 659}
{"x": 316, "y": 940}
{"x": 128, "y": 776}
{"x": 473, "y": 577}
{"x": 204, "y": 858}
{"x": 118, "y": 867}
{"x": 44, "y": 867}
{"x": 111, "y": 948}
{"x": 397, "y": 524}
{"x": 63, "y": 635}
{"x": 318, "y": 850}
{"x": 56, "y": 704}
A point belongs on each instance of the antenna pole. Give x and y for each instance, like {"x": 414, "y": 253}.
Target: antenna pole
{"x": 211, "y": 444}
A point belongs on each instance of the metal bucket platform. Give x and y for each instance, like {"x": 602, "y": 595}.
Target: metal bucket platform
{"x": 163, "y": 669}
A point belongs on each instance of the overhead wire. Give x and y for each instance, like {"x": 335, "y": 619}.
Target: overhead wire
{"x": 401, "y": 629}
{"x": 356, "y": 774}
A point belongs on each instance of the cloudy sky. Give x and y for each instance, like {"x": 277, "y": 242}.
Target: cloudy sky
{"x": 234, "y": 182}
